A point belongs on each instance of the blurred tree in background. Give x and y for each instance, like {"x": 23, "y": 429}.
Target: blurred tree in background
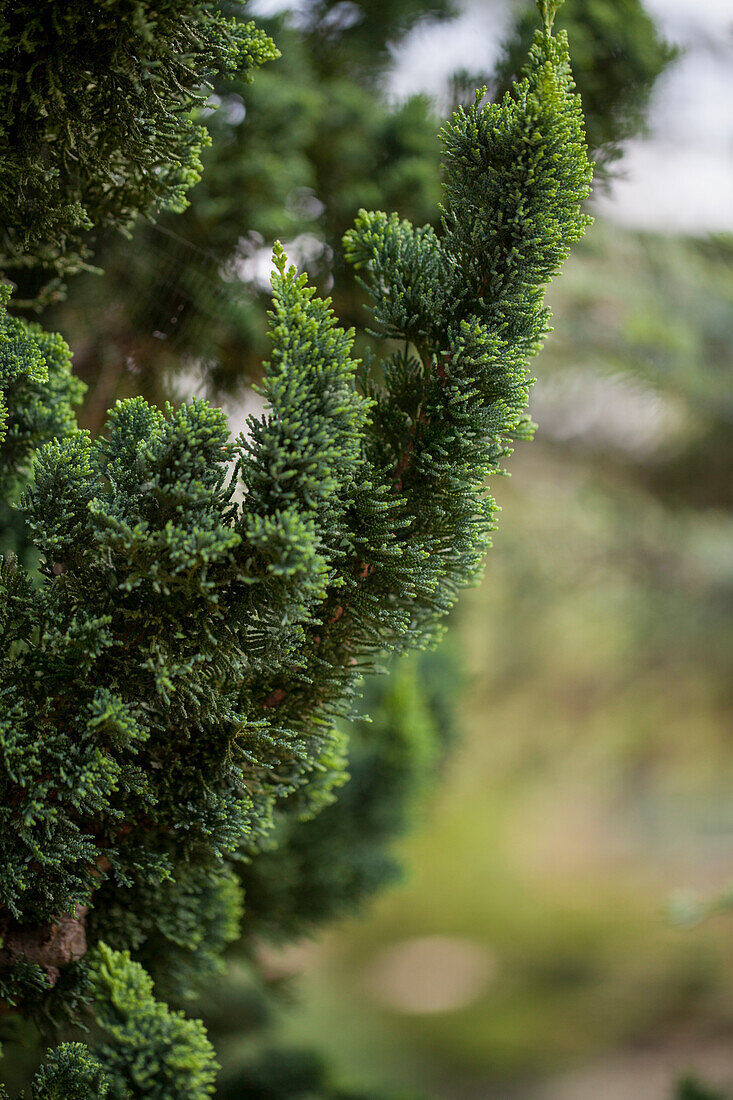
{"x": 295, "y": 154}
{"x": 656, "y": 313}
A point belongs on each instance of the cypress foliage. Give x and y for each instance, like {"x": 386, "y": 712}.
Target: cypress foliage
{"x": 205, "y": 607}
{"x": 618, "y": 53}
{"x": 37, "y": 395}
{"x": 95, "y": 126}
{"x": 70, "y": 1073}
{"x": 147, "y": 1051}
{"x": 327, "y": 865}
{"x": 282, "y": 163}
{"x": 178, "y": 296}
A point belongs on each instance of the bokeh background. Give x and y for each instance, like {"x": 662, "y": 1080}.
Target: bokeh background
{"x": 537, "y": 949}
{"x": 560, "y": 928}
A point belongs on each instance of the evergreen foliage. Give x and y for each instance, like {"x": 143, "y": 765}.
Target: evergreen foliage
{"x": 327, "y": 865}
{"x": 618, "y": 54}
{"x": 70, "y": 1073}
{"x": 37, "y": 397}
{"x": 282, "y": 164}
{"x": 205, "y": 607}
{"x": 180, "y": 294}
{"x": 147, "y": 1050}
{"x": 95, "y": 126}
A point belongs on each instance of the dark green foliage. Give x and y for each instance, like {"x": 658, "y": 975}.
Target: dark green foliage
{"x": 690, "y": 1088}
{"x": 95, "y": 125}
{"x": 206, "y": 608}
{"x": 22, "y": 982}
{"x": 159, "y": 545}
{"x": 328, "y": 865}
{"x": 284, "y": 162}
{"x": 178, "y": 929}
{"x": 37, "y": 395}
{"x": 618, "y": 55}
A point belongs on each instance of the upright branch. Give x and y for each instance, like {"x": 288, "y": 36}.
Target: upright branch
{"x": 205, "y": 608}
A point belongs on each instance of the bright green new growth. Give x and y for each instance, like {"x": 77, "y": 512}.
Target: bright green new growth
{"x": 145, "y": 1051}
{"x": 148, "y": 1052}
{"x": 548, "y": 9}
{"x": 207, "y": 607}
{"x": 618, "y": 53}
{"x": 95, "y": 123}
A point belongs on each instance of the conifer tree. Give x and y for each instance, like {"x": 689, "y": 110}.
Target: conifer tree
{"x": 205, "y": 606}
{"x": 178, "y": 297}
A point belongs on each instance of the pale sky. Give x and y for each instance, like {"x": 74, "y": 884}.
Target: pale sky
{"x": 681, "y": 177}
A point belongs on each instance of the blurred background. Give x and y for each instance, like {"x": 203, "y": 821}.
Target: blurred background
{"x": 559, "y": 930}
{"x": 534, "y": 949}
